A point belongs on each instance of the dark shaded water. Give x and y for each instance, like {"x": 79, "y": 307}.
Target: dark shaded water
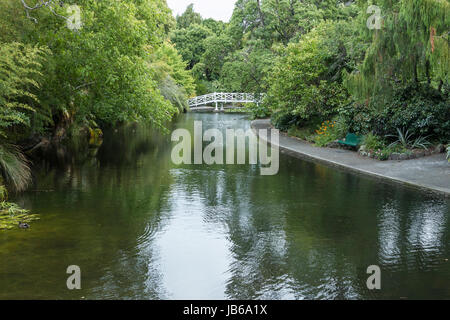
{"x": 142, "y": 228}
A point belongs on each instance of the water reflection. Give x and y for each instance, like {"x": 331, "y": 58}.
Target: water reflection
{"x": 141, "y": 227}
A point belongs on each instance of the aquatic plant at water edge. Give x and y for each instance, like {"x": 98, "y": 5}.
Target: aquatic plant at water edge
{"x": 14, "y": 167}
{"x": 11, "y": 215}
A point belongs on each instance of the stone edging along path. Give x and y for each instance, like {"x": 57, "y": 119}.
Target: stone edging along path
{"x": 431, "y": 173}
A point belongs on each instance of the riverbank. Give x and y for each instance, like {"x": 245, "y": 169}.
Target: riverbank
{"x": 430, "y": 173}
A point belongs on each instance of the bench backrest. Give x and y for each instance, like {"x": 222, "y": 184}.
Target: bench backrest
{"x": 352, "y": 138}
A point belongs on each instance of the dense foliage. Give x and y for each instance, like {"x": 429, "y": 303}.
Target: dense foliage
{"x": 307, "y": 79}
{"x": 367, "y": 66}
{"x": 323, "y": 67}
{"x": 117, "y": 66}
{"x": 402, "y": 82}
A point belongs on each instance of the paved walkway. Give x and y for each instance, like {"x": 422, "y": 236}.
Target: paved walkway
{"x": 430, "y": 173}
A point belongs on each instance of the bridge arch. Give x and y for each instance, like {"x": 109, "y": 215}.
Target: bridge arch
{"x": 224, "y": 97}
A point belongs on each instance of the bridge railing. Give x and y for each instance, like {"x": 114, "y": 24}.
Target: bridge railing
{"x": 224, "y": 97}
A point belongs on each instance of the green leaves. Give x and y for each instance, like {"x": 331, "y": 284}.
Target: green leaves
{"x": 11, "y": 215}
{"x": 301, "y": 81}
{"x": 14, "y": 167}
{"x": 188, "y": 18}
{"x": 20, "y": 76}
{"x": 411, "y": 47}
{"x": 102, "y": 71}
{"x": 245, "y": 70}
{"x": 407, "y": 140}
{"x": 190, "y": 42}
{"x": 172, "y": 63}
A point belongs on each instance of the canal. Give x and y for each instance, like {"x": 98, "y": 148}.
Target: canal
{"x": 141, "y": 227}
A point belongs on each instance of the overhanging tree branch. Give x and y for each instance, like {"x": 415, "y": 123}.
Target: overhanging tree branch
{"x": 40, "y": 4}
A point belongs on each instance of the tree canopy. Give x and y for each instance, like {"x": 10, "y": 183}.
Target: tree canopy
{"x": 319, "y": 60}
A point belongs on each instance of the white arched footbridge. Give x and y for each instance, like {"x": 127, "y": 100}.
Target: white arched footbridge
{"x": 216, "y": 98}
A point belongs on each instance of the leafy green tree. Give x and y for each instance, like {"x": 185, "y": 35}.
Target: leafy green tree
{"x": 217, "y": 27}
{"x": 280, "y": 21}
{"x": 248, "y": 23}
{"x": 402, "y": 82}
{"x": 306, "y": 82}
{"x": 245, "y": 70}
{"x": 101, "y": 72}
{"x": 190, "y": 43}
{"x": 188, "y": 18}
{"x": 281, "y": 17}
{"x": 411, "y": 47}
{"x": 216, "y": 50}
{"x": 175, "y": 83}
{"x": 175, "y": 67}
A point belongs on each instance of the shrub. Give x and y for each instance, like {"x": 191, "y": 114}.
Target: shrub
{"x": 406, "y": 139}
{"x": 304, "y": 133}
{"x": 373, "y": 142}
{"x": 423, "y": 110}
{"x": 258, "y": 111}
{"x": 383, "y": 154}
{"x": 340, "y": 126}
{"x": 285, "y": 120}
{"x": 306, "y": 80}
{"x": 14, "y": 168}
{"x": 356, "y": 117}
{"x": 326, "y": 133}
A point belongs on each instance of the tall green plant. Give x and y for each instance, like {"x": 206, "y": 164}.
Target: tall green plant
{"x": 306, "y": 80}
{"x": 20, "y": 71}
{"x": 411, "y": 46}
{"x": 407, "y": 140}
{"x": 14, "y": 167}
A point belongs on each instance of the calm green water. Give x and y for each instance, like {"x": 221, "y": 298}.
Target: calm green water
{"x": 142, "y": 228}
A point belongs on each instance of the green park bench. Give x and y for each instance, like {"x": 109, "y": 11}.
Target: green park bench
{"x": 351, "y": 140}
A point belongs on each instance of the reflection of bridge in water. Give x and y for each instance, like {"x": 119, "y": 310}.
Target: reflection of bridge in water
{"x": 201, "y": 103}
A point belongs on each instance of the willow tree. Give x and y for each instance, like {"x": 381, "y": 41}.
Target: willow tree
{"x": 410, "y": 46}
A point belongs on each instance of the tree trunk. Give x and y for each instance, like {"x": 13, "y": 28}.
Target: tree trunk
{"x": 261, "y": 15}
{"x": 416, "y": 77}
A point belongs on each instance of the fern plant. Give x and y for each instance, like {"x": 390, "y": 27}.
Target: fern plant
{"x": 20, "y": 70}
